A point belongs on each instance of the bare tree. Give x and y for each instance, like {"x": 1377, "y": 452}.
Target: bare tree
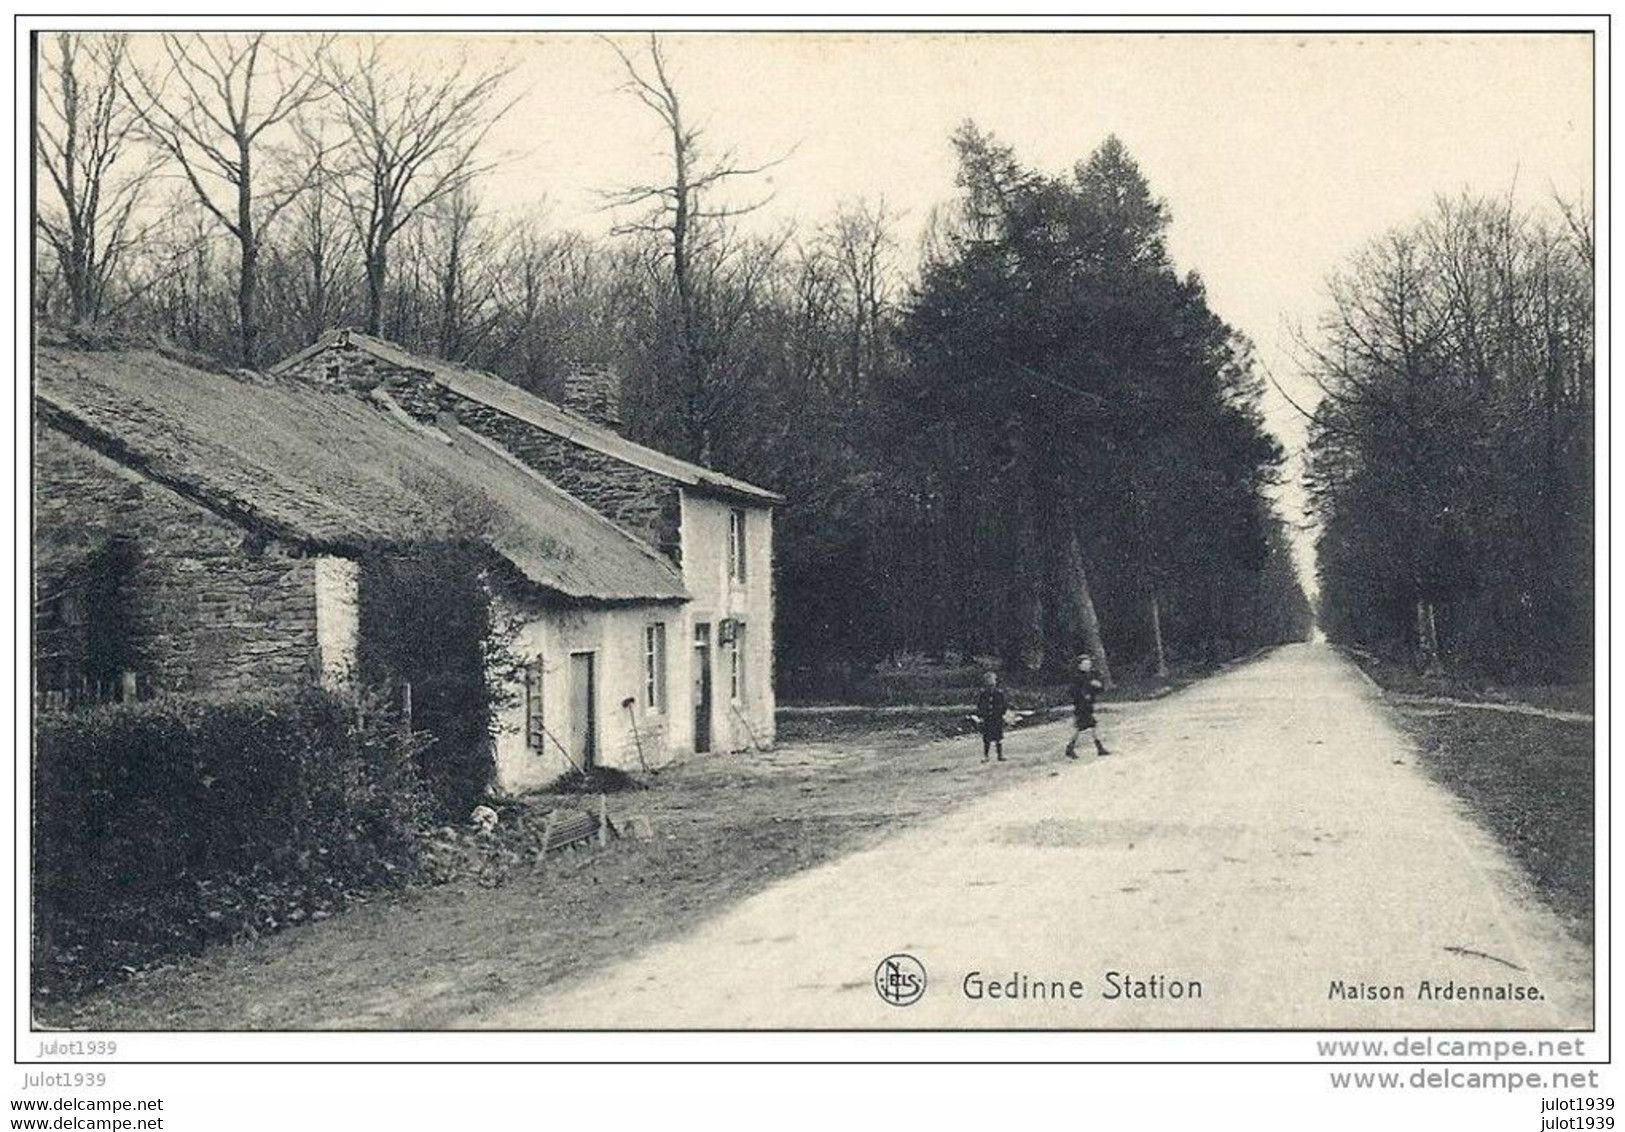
{"x": 85, "y": 146}
{"x": 1450, "y": 456}
{"x": 210, "y": 108}
{"x": 557, "y": 299}
{"x": 811, "y": 291}
{"x": 178, "y": 279}
{"x": 861, "y": 241}
{"x": 527, "y": 287}
{"x": 323, "y": 241}
{"x": 1581, "y": 226}
{"x": 680, "y": 212}
{"x": 418, "y": 139}
{"x": 459, "y": 246}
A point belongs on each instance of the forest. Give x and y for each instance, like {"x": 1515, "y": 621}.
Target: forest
{"x": 1451, "y": 455}
{"x": 1023, "y": 435}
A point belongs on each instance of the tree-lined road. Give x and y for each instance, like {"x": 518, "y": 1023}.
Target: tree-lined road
{"x": 1265, "y": 834}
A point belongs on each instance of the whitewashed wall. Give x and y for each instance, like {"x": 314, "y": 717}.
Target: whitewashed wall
{"x": 338, "y": 620}
{"x": 715, "y": 596}
{"x": 615, "y": 637}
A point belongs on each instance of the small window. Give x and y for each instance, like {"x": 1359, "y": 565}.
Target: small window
{"x": 736, "y": 545}
{"x": 654, "y": 666}
{"x": 535, "y": 729}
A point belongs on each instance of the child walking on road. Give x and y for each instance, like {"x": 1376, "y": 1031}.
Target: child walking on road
{"x": 990, "y": 709}
{"x": 1086, "y": 687}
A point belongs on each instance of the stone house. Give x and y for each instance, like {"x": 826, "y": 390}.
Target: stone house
{"x": 697, "y": 676}
{"x": 199, "y": 530}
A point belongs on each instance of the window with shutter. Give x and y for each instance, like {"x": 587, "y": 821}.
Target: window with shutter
{"x": 535, "y": 729}
{"x": 654, "y": 666}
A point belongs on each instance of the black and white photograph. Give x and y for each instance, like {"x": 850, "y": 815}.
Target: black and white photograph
{"x": 623, "y": 529}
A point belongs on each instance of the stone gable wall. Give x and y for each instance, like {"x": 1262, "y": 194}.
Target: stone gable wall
{"x": 641, "y": 502}
{"x": 203, "y": 607}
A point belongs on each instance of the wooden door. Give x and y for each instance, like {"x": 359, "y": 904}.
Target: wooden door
{"x": 583, "y": 714}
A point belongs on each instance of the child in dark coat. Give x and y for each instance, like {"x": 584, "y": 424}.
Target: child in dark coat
{"x": 1086, "y": 687}
{"x": 990, "y": 709}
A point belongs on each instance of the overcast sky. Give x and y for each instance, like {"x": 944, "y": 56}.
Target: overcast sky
{"x": 1279, "y": 155}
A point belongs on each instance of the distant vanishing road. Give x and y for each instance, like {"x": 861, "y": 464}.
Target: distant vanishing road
{"x": 1263, "y": 842}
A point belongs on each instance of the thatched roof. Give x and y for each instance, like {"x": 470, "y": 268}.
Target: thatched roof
{"x": 515, "y": 402}
{"x": 332, "y": 472}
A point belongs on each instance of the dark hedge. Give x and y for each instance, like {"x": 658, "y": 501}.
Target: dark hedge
{"x": 426, "y": 620}
{"x": 166, "y": 825}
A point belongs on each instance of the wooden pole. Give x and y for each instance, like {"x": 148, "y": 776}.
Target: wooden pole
{"x": 637, "y": 735}
{"x": 547, "y": 831}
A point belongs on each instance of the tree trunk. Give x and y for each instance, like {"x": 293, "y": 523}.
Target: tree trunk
{"x": 248, "y": 275}
{"x": 79, "y": 273}
{"x": 1156, "y": 637}
{"x": 1029, "y": 642}
{"x": 247, "y": 305}
{"x": 1084, "y": 606}
{"x": 451, "y": 328}
{"x": 1427, "y": 638}
{"x": 377, "y": 268}
{"x": 192, "y": 296}
{"x": 316, "y": 313}
{"x": 317, "y": 322}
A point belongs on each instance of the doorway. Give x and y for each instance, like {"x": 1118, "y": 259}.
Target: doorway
{"x": 583, "y": 716}
{"x": 702, "y": 688}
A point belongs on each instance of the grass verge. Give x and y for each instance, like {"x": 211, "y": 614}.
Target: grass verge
{"x": 1529, "y": 780}
{"x": 1577, "y": 696}
{"x": 723, "y": 827}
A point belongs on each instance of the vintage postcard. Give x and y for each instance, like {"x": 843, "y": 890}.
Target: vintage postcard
{"x": 625, "y": 529}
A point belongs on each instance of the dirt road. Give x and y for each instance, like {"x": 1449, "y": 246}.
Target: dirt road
{"x": 1262, "y": 852}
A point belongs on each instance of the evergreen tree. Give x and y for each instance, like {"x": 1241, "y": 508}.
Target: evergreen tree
{"x": 1091, "y": 407}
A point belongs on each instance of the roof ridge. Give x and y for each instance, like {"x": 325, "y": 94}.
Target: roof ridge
{"x": 587, "y": 432}
{"x": 508, "y": 457}
{"x": 267, "y": 458}
{"x": 227, "y": 505}
{"x": 329, "y": 337}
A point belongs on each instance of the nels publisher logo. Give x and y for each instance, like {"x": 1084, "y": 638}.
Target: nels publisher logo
{"x": 900, "y": 980}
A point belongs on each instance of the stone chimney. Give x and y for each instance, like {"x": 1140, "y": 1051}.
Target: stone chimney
{"x": 594, "y": 391}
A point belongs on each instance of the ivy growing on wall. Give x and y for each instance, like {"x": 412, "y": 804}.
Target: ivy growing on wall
{"x": 426, "y": 626}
